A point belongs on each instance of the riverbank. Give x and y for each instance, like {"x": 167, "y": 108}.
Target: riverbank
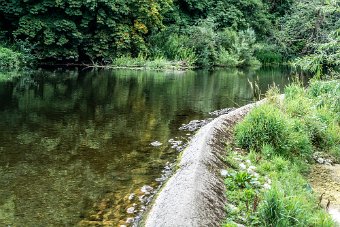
{"x": 274, "y": 160}
{"x": 266, "y": 165}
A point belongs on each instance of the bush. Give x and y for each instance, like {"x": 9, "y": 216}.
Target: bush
{"x": 176, "y": 46}
{"x": 202, "y": 44}
{"x": 9, "y": 59}
{"x": 263, "y": 125}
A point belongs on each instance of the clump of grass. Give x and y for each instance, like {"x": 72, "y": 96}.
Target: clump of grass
{"x": 264, "y": 125}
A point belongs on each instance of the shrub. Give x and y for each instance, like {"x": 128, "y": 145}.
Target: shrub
{"x": 176, "y": 46}
{"x": 264, "y": 125}
{"x": 226, "y": 59}
{"x": 9, "y": 59}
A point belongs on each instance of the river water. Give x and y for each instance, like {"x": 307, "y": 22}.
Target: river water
{"x": 74, "y": 144}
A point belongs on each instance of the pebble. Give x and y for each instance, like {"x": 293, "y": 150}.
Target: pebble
{"x": 131, "y": 196}
{"x": 266, "y": 186}
{"x": 146, "y": 189}
{"x": 130, "y": 220}
{"x": 224, "y": 173}
{"x": 130, "y": 210}
{"x": 320, "y": 160}
{"x": 242, "y": 166}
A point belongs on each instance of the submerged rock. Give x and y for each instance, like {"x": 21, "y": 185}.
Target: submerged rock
{"x": 156, "y": 144}
{"x": 195, "y": 125}
{"x": 146, "y": 189}
{"x": 130, "y": 220}
{"x": 131, "y": 196}
{"x": 217, "y": 113}
{"x": 130, "y": 210}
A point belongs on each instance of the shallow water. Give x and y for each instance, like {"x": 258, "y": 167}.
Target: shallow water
{"x": 75, "y": 144}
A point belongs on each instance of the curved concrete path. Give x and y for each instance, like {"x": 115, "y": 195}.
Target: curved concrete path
{"x": 194, "y": 195}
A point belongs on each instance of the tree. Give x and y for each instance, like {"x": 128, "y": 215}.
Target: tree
{"x": 73, "y": 30}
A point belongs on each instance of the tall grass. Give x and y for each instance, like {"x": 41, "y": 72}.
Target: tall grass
{"x": 264, "y": 125}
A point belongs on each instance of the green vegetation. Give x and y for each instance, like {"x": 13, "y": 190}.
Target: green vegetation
{"x": 141, "y": 62}
{"x": 266, "y": 185}
{"x": 203, "y": 33}
{"x": 7, "y": 76}
{"x": 9, "y": 59}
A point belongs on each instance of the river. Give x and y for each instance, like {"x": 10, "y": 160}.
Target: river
{"x": 75, "y": 144}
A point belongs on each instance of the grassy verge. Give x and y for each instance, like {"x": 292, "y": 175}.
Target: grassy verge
{"x": 271, "y": 153}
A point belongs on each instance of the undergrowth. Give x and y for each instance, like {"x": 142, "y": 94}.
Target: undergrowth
{"x": 266, "y": 183}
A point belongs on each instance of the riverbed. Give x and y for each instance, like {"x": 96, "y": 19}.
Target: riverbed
{"x": 78, "y": 146}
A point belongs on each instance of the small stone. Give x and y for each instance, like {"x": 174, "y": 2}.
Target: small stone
{"x": 142, "y": 198}
{"x": 248, "y": 162}
{"x": 320, "y": 160}
{"x": 130, "y": 210}
{"x": 156, "y": 144}
{"x": 266, "y": 186}
{"x": 131, "y": 196}
{"x": 250, "y": 171}
{"x": 242, "y": 166}
{"x": 146, "y": 189}
{"x": 130, "y": 220}
{"x": 232, "y": 207}
{"x": 252, "y": 167}
{"x": 224, "y": 173}
{"x": 159, "y": 179}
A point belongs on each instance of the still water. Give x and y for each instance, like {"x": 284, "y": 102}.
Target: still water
{"x": 75, "y": 144}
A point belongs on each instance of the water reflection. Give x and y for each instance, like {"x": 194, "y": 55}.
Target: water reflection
{"x": 75, "y": 144}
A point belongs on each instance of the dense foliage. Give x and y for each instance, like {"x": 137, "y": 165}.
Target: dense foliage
{"x": 197, "y": 32}
{"x": 82, "y": 30}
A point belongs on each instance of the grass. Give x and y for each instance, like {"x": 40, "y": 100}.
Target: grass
{"x": 266, "y": 184}
{"x": 158, "y": 63}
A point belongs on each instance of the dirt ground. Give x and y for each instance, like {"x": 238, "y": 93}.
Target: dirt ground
{"x": 325, "y": 181}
